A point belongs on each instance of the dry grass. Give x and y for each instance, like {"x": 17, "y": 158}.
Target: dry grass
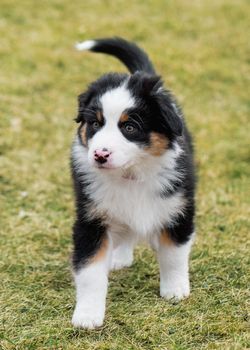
{"x": 201, "y": 49}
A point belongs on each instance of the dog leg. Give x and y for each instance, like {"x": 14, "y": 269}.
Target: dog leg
{"x": 174, "y": 276}
{"x": 91, "y": 280}
{"x": 122, "y": 254}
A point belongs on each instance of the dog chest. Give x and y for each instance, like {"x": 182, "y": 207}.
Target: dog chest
{"x": 137, "y": 206}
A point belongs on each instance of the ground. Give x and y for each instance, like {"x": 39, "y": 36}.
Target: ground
{"x": 201, "y": 50}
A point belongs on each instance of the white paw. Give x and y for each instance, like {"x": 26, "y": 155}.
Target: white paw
{"x": 177, "y": 292}
{"x": 121, "y": 258}
{"x": 118, "y": 264}
{"x": 84, "y": 318}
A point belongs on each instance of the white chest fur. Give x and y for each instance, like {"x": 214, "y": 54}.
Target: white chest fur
{"x": 135, "y": 203}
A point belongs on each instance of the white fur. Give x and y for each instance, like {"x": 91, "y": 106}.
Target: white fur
{"x": 174, "y": 277}
{"x": 122, "y": 256}
{"x": 114, "y": 102}
{"x": 129, "y": 196}
{"x": 123, "y": 244}
{"x": 135, "y": 203}
{"x": 91, "y": 289}
{"x": 85, "y": 45}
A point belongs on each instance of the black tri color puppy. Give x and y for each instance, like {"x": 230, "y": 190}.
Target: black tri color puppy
{"x": 133, "y": 174}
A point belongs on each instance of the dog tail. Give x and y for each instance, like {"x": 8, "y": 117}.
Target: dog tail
{"x": 134, "y": 58}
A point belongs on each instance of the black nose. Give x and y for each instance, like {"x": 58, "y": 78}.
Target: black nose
{"x": 100, "y": 159}
{"x": 101, "y": 156}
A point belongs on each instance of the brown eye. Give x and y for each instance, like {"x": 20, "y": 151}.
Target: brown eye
{"x": 129, "y": 128}
{"x": 95, "y": 125}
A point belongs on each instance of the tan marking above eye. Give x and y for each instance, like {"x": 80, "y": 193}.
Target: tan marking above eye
{"x": 124, "y": 118}
{"x": 99, "y": 116}
{"x": 83, "y": 134}
{"x": 158, "y": 144}
{"x": 165, "y": 238}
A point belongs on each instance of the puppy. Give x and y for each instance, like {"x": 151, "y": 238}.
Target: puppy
{"x": 133, "y": 174}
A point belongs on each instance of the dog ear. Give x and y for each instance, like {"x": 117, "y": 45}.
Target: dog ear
{"x": 170, "y": 117}
{"x": 150, "y": 84}
{"x": 83, "y": 100}
{"x": 144, "y": 84}
{"x": 150, "y": 87}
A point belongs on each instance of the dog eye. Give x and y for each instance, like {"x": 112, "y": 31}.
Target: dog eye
{"x": 130, "y": 128}
{"x": 95, "y": 125}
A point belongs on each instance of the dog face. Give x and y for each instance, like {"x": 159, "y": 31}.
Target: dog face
{"x": 126, "y": 120}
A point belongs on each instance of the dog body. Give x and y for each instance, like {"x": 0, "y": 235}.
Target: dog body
{"x": 133, "y": 173}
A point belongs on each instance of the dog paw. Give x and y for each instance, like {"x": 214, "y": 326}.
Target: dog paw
{"x": 118, "y": 264}
{"x": 83, "y": 318}
{"x": 176, "y": 293}
{"x": 121, "y": 259}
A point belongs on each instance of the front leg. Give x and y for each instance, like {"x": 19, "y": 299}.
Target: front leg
{"x": 173, "y": 259}
{"x": 91, "y": 259}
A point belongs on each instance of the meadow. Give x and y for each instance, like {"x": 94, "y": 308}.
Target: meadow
{"x": 201, "y": 49}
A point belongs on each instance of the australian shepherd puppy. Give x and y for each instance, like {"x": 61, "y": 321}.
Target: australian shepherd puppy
{"x": 133, "y": 173}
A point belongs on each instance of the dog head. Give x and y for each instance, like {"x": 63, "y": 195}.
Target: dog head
{"x": 125, "y": 120}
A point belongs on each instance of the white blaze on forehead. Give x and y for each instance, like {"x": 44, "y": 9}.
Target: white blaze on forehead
{"x": 115, "y": 101}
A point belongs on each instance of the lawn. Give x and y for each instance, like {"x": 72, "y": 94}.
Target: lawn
{"x": 201, "y": 48}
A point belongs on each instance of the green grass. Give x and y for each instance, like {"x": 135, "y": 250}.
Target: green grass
{"x": 201, "y": 49}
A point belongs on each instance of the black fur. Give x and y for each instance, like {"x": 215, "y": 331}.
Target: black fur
{"x": 134, "y": 58}
{"x": 88, "y": 234}
{"x": 150, "y": 103}
{"x": 99, "y": 87}
{"x": 156, "y": 111}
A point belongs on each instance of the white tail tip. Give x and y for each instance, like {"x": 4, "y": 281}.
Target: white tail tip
{"x": 85, "y": 45}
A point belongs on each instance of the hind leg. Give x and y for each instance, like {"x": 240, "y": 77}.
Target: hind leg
{"x": 123, "y": 246}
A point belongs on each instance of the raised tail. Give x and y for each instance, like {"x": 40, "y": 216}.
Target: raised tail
{"x": 134, "y": 58}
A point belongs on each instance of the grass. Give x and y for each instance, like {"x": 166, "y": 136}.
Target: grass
{"x": 201, "y": 50}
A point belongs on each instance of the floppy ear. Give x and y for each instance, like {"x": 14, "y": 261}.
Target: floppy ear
{"x": 150, "y": 84}
{"x": 144, "y": 84}
{"x": 151, "y": 88}
{"x": 169, "y": 115}
{"x": 83, "y": 100}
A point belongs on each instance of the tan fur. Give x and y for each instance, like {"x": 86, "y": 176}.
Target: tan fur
{"x": 158, "y": 144}
{"x": 124, "y": 118}
{"x": 99, "y": 116}
{"x": 83, "y": 134}
{"x": 165, "y": 239}
{"x": 100, "y": 254}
